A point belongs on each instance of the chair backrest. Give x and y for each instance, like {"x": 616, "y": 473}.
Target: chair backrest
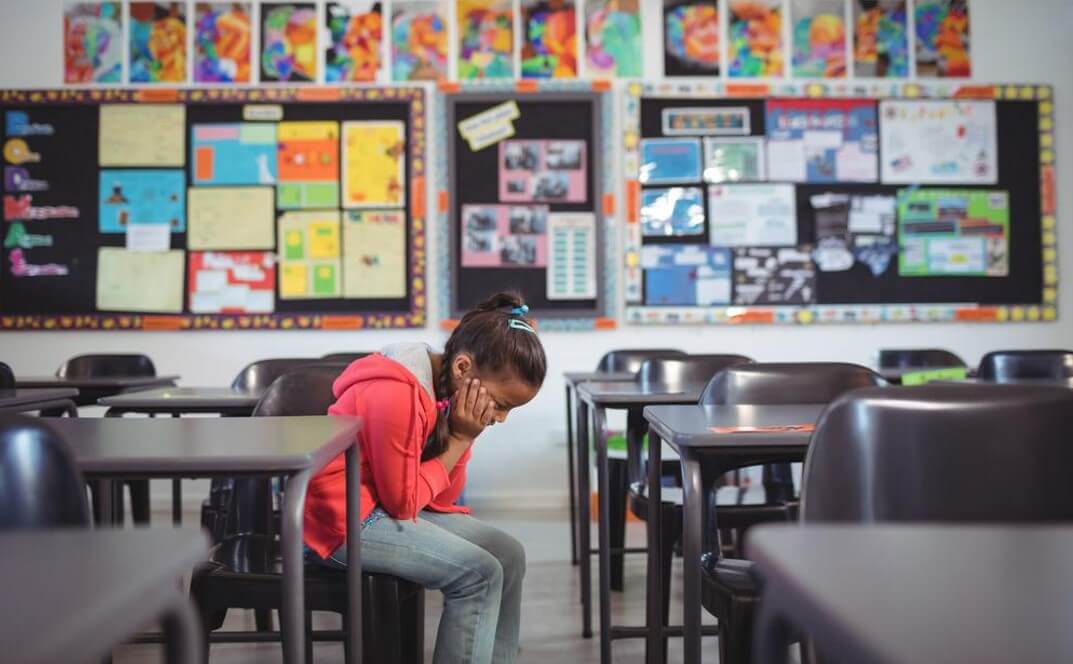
{"x": 344, "y": 357}
{"x": 107, "y": 365}
{"x": 942, "y": 453}
{"x": 40, "y": 486}
{"x": 1003, "y": 365}
{"x": 690, "y": 370}
{"x": 630, "y": 360}
{"x": 910, "y": 358}
{"x": 257, "y": 376}
{"x": 7, "y": 377}
{"x": 786, "y": 383}
{"x": 306, "y": 390}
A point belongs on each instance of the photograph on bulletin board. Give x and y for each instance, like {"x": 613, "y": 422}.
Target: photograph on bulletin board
{"x": 880, "y": 39}
{"x": 157, "y": 42}
{"x": 549, "y": 39}
{"x": 691, "y": 32}
{"x": 418, "y": 40}
{"x": 754, "y": 39}
{"x": 356, "y": 33}
{"x": 485, "y": 45}
{"x": 942, "y": 36}
{"x": 92, "y": 42}
{"x": 613, "y": 46}
{"x": 222, "y": 42}
{"x": 818, "y": 38}
{"x": 288, "y": 42}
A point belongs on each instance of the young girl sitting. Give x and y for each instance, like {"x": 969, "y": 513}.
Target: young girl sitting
{"x": 422, "y": 411}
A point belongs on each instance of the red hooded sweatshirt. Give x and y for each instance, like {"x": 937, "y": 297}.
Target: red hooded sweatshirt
{"x": 398, "y": 415}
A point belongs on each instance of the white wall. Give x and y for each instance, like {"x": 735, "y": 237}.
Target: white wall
{"x": 523, "y": 461}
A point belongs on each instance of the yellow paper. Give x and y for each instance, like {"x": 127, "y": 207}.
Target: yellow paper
{"x": 230, "y": 218}
{"x": 293, "y": 280}
{"x": 374, "y": 164}
{"x": 308, "y": 131}
{"x": 142, "y": 135}
{"x": 374, "y": 254}
{"x": 309, "y": 255}
{"x": 324, "y": 239}
{"x": 149, "y": 282}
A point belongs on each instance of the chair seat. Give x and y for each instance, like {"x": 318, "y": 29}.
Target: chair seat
{"x": 728, "y": 580}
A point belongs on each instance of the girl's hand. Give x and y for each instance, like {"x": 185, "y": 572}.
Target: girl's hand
{"x": 472, "y": 410}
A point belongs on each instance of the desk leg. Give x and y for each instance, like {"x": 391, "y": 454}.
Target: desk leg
{"x": 771, "y": 634}
{"x": 653, "y": 527}
{"x": 105, "y": 490}
{"x": 292, "y": 610}
{"x": 176, "y": 497}
{"x": 584, "y": 518}
{"x": 184, "y": 640}
{"x": 571, "y": 480}
{"x": 353, "y": 553}
{"x": 693, "y": 533}
{"x": 599, "y": 427}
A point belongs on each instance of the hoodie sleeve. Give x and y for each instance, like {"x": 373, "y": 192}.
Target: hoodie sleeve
{"x": 394, "y": 426}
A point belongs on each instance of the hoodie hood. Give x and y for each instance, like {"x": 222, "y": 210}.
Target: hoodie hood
{"x": 370, "y": 368}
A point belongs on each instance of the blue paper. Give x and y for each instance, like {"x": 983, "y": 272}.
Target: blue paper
{"x": 144, "y": 196}
{"x": 234, "y": 154}
{"x": 686, "y": 275}
{"x": 672, "y": 212}
{"x": 670, "y": 160}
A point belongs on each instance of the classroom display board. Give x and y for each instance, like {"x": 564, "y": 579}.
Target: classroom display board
{"x": 213, "y": 209}
{"x": 839, "y": 203}
{"x": 525, "y": 198}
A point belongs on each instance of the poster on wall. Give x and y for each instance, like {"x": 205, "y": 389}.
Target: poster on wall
{"x": 741, "y": 215}
{"x": 953, "y": 232}
{"x": 374, "y": 254}
{"x": 822, "y": 140}
{"x": 309, "y": 253}
{"x": 819, "y": 38}
{"x": 572, "y": 256}
{"x": 504, "y": 236}
{"x": 613, "y": 38}
{"x": 485, "y": 39}
{"x": 774, "y": 276}
{"x": 418, "y": 41}
{"x": 355, "y": 32}
{"x": 288, "y": 42}
{"x": 670, "y": 161}
{"x": 734, "y": 160}
{"x": 232, "y": 282}
{"x": 234, "y": 153}
{"x": 942, "y": 32}
{"x": 939, "y": 142}
{"x": 755, "y": 42}
{"x": 133, "y": 197}
{"x": 691, "y": 38}
{"x": 672, "y": 212}
{"x": 545, "y": 171}
{"x": 880, "y": 39}
{"x": 92, "y": 42}
{"x": 686, "y": 275}
{"x": 852, "y": 228}
{"x": 222, "y": 34}
{"x": 549, "y": 39}
{"x": 157, "y": 42}
{"x": 374, "y": 164}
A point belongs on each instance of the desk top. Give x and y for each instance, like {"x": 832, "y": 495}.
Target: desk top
{"x": 924, "y": 593}
{"x": 177, "y": 399}
{"x": 73, "y": 594}
{"x": 1036, "y": 382}
{"x": 693, "y": 426}
{"x": 105, "y": 382}
{"x": 20, "y": 398}
{"x": 634, "y": 394}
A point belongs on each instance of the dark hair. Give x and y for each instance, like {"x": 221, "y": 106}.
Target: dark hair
{"x": 495, "y": 346}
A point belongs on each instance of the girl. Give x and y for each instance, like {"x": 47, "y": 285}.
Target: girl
{"x": 422, "y": 412}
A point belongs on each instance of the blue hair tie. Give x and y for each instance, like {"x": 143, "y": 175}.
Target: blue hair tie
{"x": 520, "y": 311}
{"x": 519, "y": 324}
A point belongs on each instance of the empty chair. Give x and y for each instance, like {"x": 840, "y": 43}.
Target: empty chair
{"x": 257, "y": 376}
{"x": 629, "y": 360}
{"x": 686, "y": 371}
{"x": 7, "y": 377}
{"x": 912, "y": 358}
{"x": 40, "y": 485}
{"x": 343, "y": 357}
{"x": 107, "y": 365}
{"x": 1003, "y": 365}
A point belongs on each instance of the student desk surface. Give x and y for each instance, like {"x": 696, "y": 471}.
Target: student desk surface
{"x": 92, "y": 389}
{"x": 23, "y": 400}
{"x": 182, "y": 400}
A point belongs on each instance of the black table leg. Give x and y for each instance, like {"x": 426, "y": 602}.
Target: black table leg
{"x": 692, "y": 537}
{"x": 176, "y": 497}
{"x": 584, "y": 517}
{"x": 571, "y": 479}
{"x": 653, "y": 526}
{"x": 599, "y": 427}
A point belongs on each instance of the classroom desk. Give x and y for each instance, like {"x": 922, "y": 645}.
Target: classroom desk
{"x": 26, "y": 400}
{"x": 705, "y": 455}
{"x": 572, "y": 378}
{"x": 601, "y": 396}
{"x": 906, "y": 594}
{"x": 90, "y": 390}
{"x": 176, "y": 401}
{"x": 295, "y": 447}
{"x": 71, "y": 595}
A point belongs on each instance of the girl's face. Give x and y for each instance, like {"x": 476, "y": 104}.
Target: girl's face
{"x": 506, "y": 389}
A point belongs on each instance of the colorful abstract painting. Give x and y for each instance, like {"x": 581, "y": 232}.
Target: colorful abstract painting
{"x": 356, "y": 30}
{"x": 92, "y": 42}
{"x": 942, "y": 28}
{"x": 819, "y": 38}
{"x": 485, "y": 39}
{"x": 613, "y": 38}
{"x": 157, "y": 42}
{"x": 289, "y": 42}
{"x": 549, "y": 33}
{"x": 690, "y": 38}
{"x": 755, "y": 45}
{"x": 418, "y": 41}
{"x": 880, "y": 39}
{"x": 222, "y": 42}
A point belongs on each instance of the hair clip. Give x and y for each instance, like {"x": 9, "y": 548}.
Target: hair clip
{"x": 520, "y": 311}
{"x": 519, "y": 324}
{"x": 444, "y": 405}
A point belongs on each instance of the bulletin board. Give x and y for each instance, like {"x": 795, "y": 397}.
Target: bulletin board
{"x": 839, "y": 203}
{"x": 525, "y": 201}
{"x": 213, "y": 209}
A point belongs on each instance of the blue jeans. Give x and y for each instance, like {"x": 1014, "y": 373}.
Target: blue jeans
{"x": 479, "y": 569}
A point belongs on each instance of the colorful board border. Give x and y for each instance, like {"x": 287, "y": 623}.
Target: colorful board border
{"x": 637, "y": 313}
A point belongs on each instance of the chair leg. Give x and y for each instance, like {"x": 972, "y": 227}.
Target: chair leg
{"x": 736, "y": 633}
{"x": 413, "y": 628}
{"x": 263, "y": 619}
{"x": 617, "y": 482}
{"x": 671, "y": 532}
{"x": 309, "y": 636}
{"x": 139, "y": 501}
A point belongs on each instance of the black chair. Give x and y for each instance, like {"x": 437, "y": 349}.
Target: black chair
{"x": 7, "y": 377}
{"x": 40, "y": 485}
{"x": 629, "y": 360}
{"x": 244, "y": 570}
{"x": 1002, "y": 365}
{"x": 344, "y": 357}
{"x": 912, "y": 358}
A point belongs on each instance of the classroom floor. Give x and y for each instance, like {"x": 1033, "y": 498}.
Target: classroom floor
{"x": 551, "y": 627}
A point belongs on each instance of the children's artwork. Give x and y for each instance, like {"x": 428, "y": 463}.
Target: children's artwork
{"x": 691, "y": 37}
{"x": 572, "y": 263}
{"x": 374, "y": 164}
{"x": 822, "y": 140}
{"x": 485, "y": 39}
{"x": 232, "y": 282}
{"x": 942, "y": 30}
{"x": 939, "y": 142}
{"x": 734, "y": 160}
{"x": 356, "y": 30}
{"x": 374, "y": 254}
{"x": 142, "y": 135}
{"x": 418, "y": 41}
{"x": 549, "y": 39}
{"x": 309, "y": 251}
{"x": 138, "y": 281}
{"x": 129, "y": 198}
{"x": 670, "y": 161}
{"x": 546, "y": 171}
{"x": 288, "y": 42}
{"x": 707, "y": 120}
{"x": 847, "y": 222}
{"x": 308, "y": 163}
{"x": 755, "y": 47}
{"x": 157, "y": 42}
{"x": 504, "y": 235}
{"x": 880, "y": 39}
{"x": 953, "y": 232}
{"x": 613, "y": 38}
{"x": 742, "y": 215}
{"x": 774, "y": 276}
{"x": 672, "y": 212}
{"x": 222, "y": 34}
{"x": 686, "y": 275}
{"x": 235, "y": 153}
{"x": 819, "y": 38}
{"x": 92, "y": 42}
{"x": 230, "y": 218}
